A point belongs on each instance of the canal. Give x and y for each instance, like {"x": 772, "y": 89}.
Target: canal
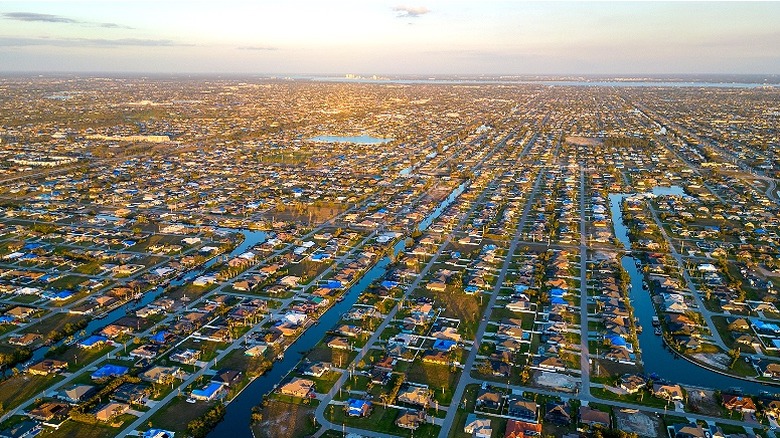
{"x": 251, "y": 238}
{"x": 655, "y": 356}
{"x": 236, "y": 423}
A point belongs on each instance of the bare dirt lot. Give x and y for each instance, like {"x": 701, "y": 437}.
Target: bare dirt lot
{"x": 641, "y": 423}
{"x": 703, "y": 402}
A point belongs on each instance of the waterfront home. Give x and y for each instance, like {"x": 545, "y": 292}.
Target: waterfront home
{"x": 297, "y": 387}
{"x": 668, "y": 392}
{"x": 92, "y": 342}
{"x": 734, "y": 402}
{"x": 47, "y": 366}
{"x": 209, "y": 392}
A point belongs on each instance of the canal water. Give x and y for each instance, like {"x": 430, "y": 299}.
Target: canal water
{"x": 237, "y": 418}
{"x": 655, "y": 356}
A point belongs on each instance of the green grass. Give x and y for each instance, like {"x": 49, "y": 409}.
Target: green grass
{"x": 17, "y": 389}
{"x": 436, "y": 377}
{"x": 178, "y": 413}
{"x": 73, "y": 428}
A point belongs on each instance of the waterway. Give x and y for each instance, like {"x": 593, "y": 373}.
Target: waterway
{"x": 443, "y": 206}
{"x": 355, "y": 139}
{"x": 236, "y": 423}
{"x": 553, "y": 83}
{"x": 251, "y": 238}
{"x": 656, "y": 357}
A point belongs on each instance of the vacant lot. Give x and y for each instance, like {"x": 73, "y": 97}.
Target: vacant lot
{"x": 285, "y": 420}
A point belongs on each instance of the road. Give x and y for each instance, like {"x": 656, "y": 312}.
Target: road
{"x": 465, "y": 378}
{"x": 584, "y": 352}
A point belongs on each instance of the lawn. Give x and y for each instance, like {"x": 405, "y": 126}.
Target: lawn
{"x": 178, "y": 413}
{"x": 73, "y": 428}
{"x": 439, "y": 379}
{"x": 53, "y": 323}
{"x": 381, "y": 419}
{"x": 18, "y": 389}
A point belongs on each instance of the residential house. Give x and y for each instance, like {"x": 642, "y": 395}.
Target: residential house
{"x": 411, "y": 419}
{"x": 594, "y": 417}
{"x": 522, "y": 409}
{"x": 302, "y": 388}
{"x": 478, "y": 427}
{"x": 416, "y": 395}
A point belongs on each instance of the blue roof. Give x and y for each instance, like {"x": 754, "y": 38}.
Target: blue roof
{"x": 388, "y": 284}
{"x": 558, "y": 300}
{"x": 158, "y": 337}
{"x": 32, "y": 245}
{"x": 617, "y": 340}
{"x": 355, "y": 406}
{"x": 5, "y": 319}
{"x": 109, "y": 371}
{"x": 557, "y": 292}
{"x": 92, "y": 340}
{"x": 63, "y": 294}
{"x": 519, "y": 288}
{"x": 444, "y": 344}
{"x": 333, "y": 284}
{"x": 207, "y": 392}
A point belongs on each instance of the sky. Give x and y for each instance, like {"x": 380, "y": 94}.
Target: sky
{"x": 487, "y": 37}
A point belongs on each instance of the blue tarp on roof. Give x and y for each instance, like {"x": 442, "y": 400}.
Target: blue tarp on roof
{"x": 356, "y": 407}
{"x": 520, "y": 288}
{"x": 557, "y": 292}
{"x": 471, "y": 289}
{"x": 109, "y": 371}
{"x": 207, "y": 392}
{"x": 388, "y": 284}
{"x": 558, "y": 300}
{"x": 63, "y": 294}
{"x": 92, "y": 341}
{"x": 158, "y": 337}
{"x": 444, "y": 345}
{"x": 31, "y": 245}
{"x": 333, "y": 284}
{"x": 617, "y": 341}
{"x": 5, "y": 319}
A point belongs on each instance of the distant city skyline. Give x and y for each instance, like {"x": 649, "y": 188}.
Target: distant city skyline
{"x": 391, "y": 37}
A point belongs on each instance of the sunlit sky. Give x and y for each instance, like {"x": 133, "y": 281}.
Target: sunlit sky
{"x": 390, "y": 37}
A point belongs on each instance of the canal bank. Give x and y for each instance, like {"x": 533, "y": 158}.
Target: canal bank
{"x": 237, "y": 420}
{"x": 657, "y": 357}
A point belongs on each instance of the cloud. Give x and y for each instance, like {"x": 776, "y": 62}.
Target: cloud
{"x": 87, "y": 42}
{"x": 258, "y": 48}
{"x": 49, "y": 18}
{"x": 410, "y": 11}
